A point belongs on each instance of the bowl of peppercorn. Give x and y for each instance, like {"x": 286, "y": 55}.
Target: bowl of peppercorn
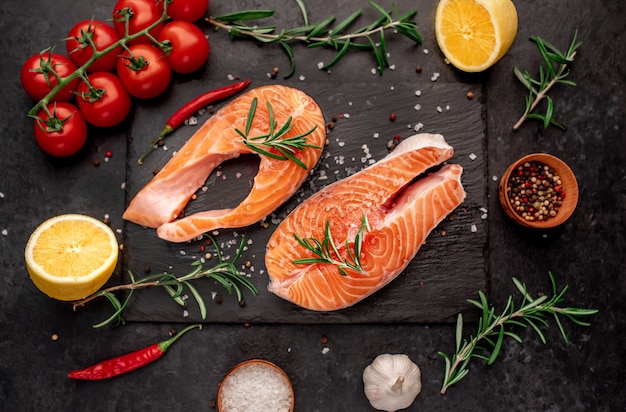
{"x": 538, "y": 191}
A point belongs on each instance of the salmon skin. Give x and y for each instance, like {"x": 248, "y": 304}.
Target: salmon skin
{"x": 399, "y": 210}
{"x": 161, "y": 201}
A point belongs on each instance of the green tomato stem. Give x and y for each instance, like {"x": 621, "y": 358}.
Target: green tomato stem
{"x": 80, "y": 72}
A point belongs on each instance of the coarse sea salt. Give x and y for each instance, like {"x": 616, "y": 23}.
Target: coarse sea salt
{"x": 255, "y": 387}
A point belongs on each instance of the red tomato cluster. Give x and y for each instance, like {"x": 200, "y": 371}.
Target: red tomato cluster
{"x": 104, "y": 85}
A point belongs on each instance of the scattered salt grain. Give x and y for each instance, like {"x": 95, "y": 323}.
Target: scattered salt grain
{"x": 447, "y": 107}
{"x": 417, "y": 106}
{"x": 301, "y": 78}
{"x": 325, "y": 351}
{"x": 425, "y": 51}
{"x": 320, "y": 65}
{"x": 418, "y": 127}
{"x": 439, "y": 109}
{"x": 418, "y": 93}
{"x": 473, "y": 228}
{"x": 1, "y": 195}
{"x": 5, "y": 232}
{"x": 376, "y": 135}
{"x": 185, "y": 313}
{"x": 346, "y": 115}
{"x": 255, "y": 387}
{"x": 392, "y": 67}
{"x": 374, "y": 70}
{"x": 123, "y": 186}
{"x": 494, "y": 178}
{"x": 483, "y": 216}
{"x": 230, "y": 77}
{"x": 192, "y": 121}
{"x": 472, "y": 156}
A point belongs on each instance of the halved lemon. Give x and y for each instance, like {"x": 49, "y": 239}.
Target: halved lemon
{"x": 475, "y": 34}
{"x": 71, "y": 256}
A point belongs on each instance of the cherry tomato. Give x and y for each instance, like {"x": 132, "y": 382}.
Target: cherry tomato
{"x": 188, "y": 10}
{"x": 146, "y": 74}
{"x": 106, "y": 103}
{"x": 102, "y": 35}
{"x": 38, "y": 76}
{"x": 188, "y": 48}
{"x": 142, "y": 13}
{"x": 63, "y": 133}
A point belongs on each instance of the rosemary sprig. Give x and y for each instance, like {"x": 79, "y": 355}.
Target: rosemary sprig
{"x": 555, "y": 72}
{"x": 224, "y": 272}
{"x": 492, "y": 328}
{"x": 327, "y": 252}
{"x": 322, "y": 34}
{"x": 276, "y": 139}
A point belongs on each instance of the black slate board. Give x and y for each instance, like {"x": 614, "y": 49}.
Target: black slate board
{"x": 447, "y": 270}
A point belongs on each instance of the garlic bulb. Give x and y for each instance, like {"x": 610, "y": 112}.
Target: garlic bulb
{"x": 392, "y": 382}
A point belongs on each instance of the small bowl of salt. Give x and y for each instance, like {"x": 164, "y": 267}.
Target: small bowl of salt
{"x": 255, "y": 385}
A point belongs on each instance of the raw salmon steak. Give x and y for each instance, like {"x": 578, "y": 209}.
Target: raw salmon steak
{"x": 401, "y": 198}
{"x": 161, "y": 201}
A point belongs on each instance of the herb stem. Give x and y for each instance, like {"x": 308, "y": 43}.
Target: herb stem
{"x": 555, "y": 71}
{"x": 322, "y": 34}
{"x": 271, "y": 36}
{"x": 82, "y": 70}
{"x": 224, "y": 272}
{"x": 542, "y": 93}
{"x": 491, "y": 328}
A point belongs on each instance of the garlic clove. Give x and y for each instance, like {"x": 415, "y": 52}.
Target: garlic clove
{"x": 392, "y": 382}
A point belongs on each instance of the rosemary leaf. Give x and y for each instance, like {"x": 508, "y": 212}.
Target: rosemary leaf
{"x": 198, "y": 298}
{"x": 246, "y": 15}
{"x": 338, "y": 29}
{"x": 305, "y": 15}
{"x": 342, "y": 52}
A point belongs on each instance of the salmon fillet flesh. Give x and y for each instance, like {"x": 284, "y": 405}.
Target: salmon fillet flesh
{"x": 161, "y": 201}
{"x": 400, "y": 212}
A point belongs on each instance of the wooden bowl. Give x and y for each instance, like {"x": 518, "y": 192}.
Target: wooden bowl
{"x": 255, "y": 375}
{"x": 569, "y": 186}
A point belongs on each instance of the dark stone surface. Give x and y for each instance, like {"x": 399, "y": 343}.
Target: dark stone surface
{"x": 587, "y": 253}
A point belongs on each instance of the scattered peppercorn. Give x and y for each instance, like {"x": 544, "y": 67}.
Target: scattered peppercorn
{"x": 392, "y": 117}
{"x": 55, "y": 336}
{"x": 108, "y": 154}
{"x": 534, "y": 190}
{"x": 218, "y": 299}
{"x": 469, "y": 95}
{"x": 146, "y": 269}
{"x": 96, "y": 162}
{"x": 330, "y": 125}
{"x": 155, "y": 171}
{"x": 334, "y": 119}
{"x": 242, "y": 303}
{"x": 418, "y": 68}
{"x": 324, "y": 339}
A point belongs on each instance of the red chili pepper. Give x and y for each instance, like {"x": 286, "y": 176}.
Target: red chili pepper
{"x": 129, "y": 362}
{"x": 190, "y": 108}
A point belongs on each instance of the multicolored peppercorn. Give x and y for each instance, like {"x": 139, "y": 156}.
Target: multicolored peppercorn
{"x": 534, "y": 190}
